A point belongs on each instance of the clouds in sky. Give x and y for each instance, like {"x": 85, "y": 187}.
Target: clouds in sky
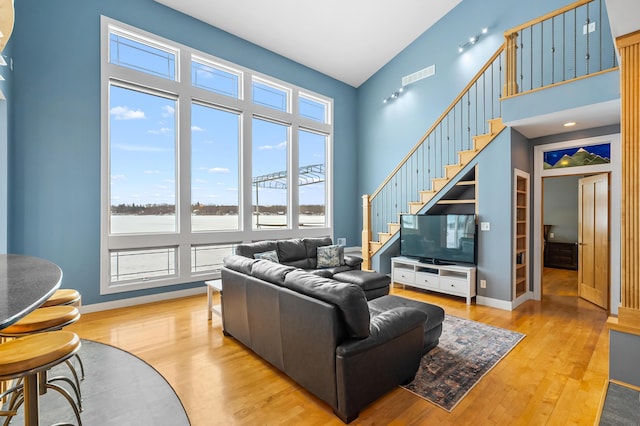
{"x": 162, "y": 131}
{"x": 216, "y": 169}
{"x": 138, "y": 148}
{"x": 124, "y": 113}
{"x": 168, "y": 111}
{"x": 281, "y": 145}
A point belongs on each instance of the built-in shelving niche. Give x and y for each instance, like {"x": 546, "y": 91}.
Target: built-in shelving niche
{"x": 461, "y": 198}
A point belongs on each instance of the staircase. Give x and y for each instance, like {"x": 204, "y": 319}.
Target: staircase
{"x": 467, "y": 126}
{"x": 473, "y": 119}
{"x": 451, "y": 173}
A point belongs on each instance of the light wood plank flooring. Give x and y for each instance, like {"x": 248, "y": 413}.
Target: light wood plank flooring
{"x": 556, "y": 375}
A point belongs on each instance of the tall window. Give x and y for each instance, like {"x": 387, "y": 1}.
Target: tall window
{"x": 143, "y": 161}
{"x": 312, "y": 149}
{"x": 215, "y": 174}
{"x": 270, "y": 173}
{"x": 199, "y": 154}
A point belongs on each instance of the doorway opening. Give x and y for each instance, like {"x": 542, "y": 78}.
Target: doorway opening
{"x": 560, "y": 236}
{"x": 576, "y": 237}
{"x": 557, "y": 222}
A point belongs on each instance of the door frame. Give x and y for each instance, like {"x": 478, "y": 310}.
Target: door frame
{"x": 615, "y": 183}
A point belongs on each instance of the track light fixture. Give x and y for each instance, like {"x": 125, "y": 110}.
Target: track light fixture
{"x": 393, "y": 96}
{"x": 472, "y": 40}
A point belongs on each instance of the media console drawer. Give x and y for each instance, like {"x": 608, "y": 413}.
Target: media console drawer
{"x": 426, "y": 280}
{"x": 454, "y": 284}
{"x": 456, "y": 280}
{"x": 405, "y": 276}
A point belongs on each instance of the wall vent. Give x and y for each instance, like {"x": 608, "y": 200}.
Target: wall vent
{"x": 419, "y": 75}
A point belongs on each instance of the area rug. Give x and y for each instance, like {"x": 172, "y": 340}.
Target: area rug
{"x": 466, "y": 352}
{"x": 119, "y": 389}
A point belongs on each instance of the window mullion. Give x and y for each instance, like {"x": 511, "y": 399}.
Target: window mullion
{"x": 294, "y": 165}
{"x": 246, "y": 160}
{"x": 183, "y": 184}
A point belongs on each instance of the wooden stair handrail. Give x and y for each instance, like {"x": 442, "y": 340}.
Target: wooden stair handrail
{"x": 549, "y": 15}
{"x": 439, "y": 120}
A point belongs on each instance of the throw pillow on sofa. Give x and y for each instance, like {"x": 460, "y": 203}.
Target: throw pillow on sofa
{"x": 267, "y": 255}
{"x": 328, "y": 256}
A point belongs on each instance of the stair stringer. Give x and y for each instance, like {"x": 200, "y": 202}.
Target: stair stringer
{"x": 466, "y": 162}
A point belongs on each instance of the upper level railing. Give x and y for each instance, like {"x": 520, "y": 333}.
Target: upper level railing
{"x": 572, "y": 42}
{"x": 541, "y": 53}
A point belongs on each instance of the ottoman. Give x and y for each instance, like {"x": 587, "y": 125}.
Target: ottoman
{"x": 435, "y": 316}
{"x": 373, "y": 283}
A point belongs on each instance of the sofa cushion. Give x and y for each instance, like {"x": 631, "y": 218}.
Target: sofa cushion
{"x": 293, "y": 252}
{"x": 239, "y": 263}
{"x": 271, "y": 272}
{"x": 368, "y": 280}
{"x": 271, "y": 255}
{"x": 435, "y": 313}
{"x": 328, "y": 256}
{"x": 326, "y": 273}
{"x": 349, "y": 298}
{"x": 312, "y": 244}
{"x": 249, "y": 249}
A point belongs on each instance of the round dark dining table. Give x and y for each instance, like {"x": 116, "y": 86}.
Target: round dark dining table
{"x": 26, "y": 283}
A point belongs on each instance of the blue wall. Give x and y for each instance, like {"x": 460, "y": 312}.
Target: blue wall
{"x": 5, "y": 87}
{"x": 54, "y": 154}
{"x": 388, "y": 131}
{"x": 561, "y": 207}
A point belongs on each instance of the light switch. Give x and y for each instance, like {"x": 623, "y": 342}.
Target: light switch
{"x": 485, "y": 226}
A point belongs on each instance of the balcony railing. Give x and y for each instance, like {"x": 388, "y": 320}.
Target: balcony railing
{"x": 570, "y": 43}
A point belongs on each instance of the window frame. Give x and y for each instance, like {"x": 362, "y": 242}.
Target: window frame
{"x": 186, "y": 94}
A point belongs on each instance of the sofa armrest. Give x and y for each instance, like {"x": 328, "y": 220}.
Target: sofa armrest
{"x": 352, "y": 261}
{"x": 370, "y": 367}
{"x": 383, "y": 328}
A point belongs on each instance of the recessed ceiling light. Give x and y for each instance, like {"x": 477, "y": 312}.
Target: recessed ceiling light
{"x": 569, "y": 124}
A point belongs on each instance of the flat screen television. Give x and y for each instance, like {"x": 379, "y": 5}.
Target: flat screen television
{"x": 439, "y": 239}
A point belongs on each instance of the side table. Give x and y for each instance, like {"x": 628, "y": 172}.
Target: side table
{"x": 213, "y": 286}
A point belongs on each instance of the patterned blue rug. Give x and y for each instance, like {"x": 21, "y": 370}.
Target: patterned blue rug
{"x": 466, "y": 352}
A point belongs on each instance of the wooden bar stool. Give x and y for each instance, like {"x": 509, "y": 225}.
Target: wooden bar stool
{"x": 64, "y": 297}
{"x": 71, "y": 297}
{"x": 50, "y": 319}
{"x": 28, "y": 358}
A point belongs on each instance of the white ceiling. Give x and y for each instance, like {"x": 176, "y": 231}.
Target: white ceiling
{"x": 623, "y": 16}
{"x": 586, "y": 117}
{"x": 348, "y": 40}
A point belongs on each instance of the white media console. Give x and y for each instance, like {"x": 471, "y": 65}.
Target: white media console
{"x": 456, "y": 280}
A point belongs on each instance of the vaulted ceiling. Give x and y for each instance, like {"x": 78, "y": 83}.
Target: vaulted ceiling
{"x": 348, "y": 40}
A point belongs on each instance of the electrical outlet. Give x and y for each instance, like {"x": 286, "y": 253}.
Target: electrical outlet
{"x": 342, "y": 241}
{"x": 552, "y": 235}
{"x": 485, "y": 226}
{"x": 483, "y": 283}
{"x": 591, "y": 27}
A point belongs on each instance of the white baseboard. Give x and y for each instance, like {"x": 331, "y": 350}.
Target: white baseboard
{"x": 504, "y": 304}
{"x": 494, "y": 303}
{"x": 125, "y": 303}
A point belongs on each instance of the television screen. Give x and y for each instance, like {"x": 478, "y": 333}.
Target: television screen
{"x": 439, "y": 238}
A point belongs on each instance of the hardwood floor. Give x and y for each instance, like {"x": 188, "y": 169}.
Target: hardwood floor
{"x": 556, "y": 375}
